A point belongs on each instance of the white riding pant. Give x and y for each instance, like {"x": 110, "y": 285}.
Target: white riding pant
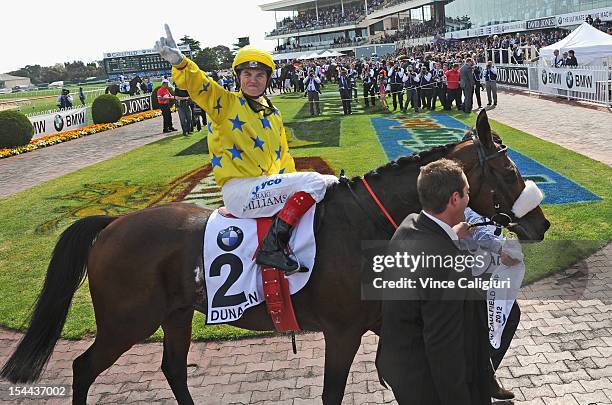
{"x": 265, "y": 196}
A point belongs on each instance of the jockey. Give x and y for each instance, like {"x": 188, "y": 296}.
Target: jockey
{"x": 248, "y": 146}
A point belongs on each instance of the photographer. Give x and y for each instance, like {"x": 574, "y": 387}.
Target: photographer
{"x": 313, "y": 89}
{"x": 439, "y": 80}
{"x": 411, "y": 83}
{"x": 369, "y": 85}
{"x": 64, "y": 100}
{"x": 477, "y": 84}
{"x": 396, "y": 75}
{"x": 490, "y": 76}
{"x": 426, "y": 88}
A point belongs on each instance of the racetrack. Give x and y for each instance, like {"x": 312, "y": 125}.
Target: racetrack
{"x": 541, "y": 361}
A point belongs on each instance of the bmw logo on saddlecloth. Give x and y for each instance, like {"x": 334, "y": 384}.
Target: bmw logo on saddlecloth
{"x": 230, "y": 238}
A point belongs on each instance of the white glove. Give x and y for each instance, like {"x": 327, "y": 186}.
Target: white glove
{"x": 167, "y": 48}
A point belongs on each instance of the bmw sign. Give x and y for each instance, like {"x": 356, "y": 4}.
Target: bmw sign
{"x": 544, "y": 76}
{"x": 58, "y": 123}
{"x": 569, "y": 79}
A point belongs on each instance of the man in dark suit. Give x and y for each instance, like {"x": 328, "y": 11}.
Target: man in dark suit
{"x": 467, "y": 82}
{"x": 346, "y": 90}
{"x": 433, "y": 346}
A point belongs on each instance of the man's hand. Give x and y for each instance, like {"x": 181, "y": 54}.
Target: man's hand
{"x": 168, "y": 49}
{"x": 463, "y": 230}
{"x": 508, "y": 260}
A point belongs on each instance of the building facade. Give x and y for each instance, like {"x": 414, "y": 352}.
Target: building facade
{"x": 349, "y": 26}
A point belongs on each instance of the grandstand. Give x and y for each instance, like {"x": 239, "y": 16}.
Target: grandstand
{"x": 305, "y": 28}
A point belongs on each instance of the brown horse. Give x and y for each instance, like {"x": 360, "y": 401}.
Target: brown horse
{"x": 142, "y": 270}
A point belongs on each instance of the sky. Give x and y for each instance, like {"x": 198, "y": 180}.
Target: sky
{"x": 49, "y": 32}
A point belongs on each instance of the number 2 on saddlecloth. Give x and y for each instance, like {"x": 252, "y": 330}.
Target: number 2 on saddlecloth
{"x": 220, "y": 299}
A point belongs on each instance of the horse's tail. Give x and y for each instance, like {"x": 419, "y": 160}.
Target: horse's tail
{"x": 65, "y": 274}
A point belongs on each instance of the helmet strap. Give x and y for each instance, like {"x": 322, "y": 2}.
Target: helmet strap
{"x": 258, "y": 107}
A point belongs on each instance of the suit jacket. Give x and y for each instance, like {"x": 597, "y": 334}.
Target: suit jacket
{"x": 433, "y": 350}
{"x": 466, "y": 76}
{"x": 344, "y": 83}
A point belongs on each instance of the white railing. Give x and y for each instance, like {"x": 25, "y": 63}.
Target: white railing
{"x": 506, "y": 55}
{"x": 74, "y": 90}
{"x": 528, "y": 77}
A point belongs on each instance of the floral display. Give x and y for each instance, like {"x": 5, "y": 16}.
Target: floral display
{"x": 77, "y": 133}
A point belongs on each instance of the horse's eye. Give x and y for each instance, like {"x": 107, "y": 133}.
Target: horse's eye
{"x": 510, "y": 176}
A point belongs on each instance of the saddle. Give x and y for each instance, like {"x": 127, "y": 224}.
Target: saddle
{"x": 231, "y": 243}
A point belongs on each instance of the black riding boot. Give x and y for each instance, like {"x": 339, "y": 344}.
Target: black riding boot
{"x": 272, "y": 250}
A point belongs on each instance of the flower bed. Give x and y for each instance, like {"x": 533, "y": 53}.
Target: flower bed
{"x": 77, "y": 133}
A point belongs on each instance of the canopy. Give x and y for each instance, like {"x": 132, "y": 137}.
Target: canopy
{"x": 592, "y": 46}
{"x": 331, "y": 54}
{"x": 313, "y": 55}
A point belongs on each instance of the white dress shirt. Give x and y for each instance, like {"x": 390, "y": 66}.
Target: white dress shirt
{"x": 449, "y": 231}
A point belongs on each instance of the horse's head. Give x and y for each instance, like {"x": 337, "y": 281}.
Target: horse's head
{"x": 496, "y": 186}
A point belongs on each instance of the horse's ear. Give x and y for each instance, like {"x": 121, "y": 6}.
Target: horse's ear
{"x": 484, "y": 129}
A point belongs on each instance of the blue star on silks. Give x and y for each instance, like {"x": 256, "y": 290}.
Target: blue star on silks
{"x": 216, "y": 161}
{"x": 278, "y": 152}
{"x": 209, "y": 127}
{"x": 237, "y": 124}
{"x": 265, "y": 122}
{"x": 281, "y": 171}
{"x": 258, "y": 143}
{"x": 242, "y": 101}
{"x": 205, "y": 87}
{"x": 236, "y": 153}
{"x": 218, "y": 106}
{"x": 276, "y": 112}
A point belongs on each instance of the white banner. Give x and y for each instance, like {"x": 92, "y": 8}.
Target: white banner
{"x": 567, "y": 79}
{"x": 604, "y": 14}
{"x": 488, "y": 30}
{"x": 60, "y": 121}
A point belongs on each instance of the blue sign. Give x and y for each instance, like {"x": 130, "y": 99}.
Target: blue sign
{"x": 412, "y": 134}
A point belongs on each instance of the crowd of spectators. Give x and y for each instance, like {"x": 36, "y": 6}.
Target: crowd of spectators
{"x": 415, "y": 30}
{"x": 417, "y": 77}
{"x": 329, "y": 16}
{"x": 336, "y": 43}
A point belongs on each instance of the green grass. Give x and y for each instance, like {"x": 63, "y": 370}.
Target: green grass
{"x": 32, "y": 220}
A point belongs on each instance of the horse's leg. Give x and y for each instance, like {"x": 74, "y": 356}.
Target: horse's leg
{"x": 103, "y": 352}
{"x": 177, "y": 338}
{"x": 340, "y": 350}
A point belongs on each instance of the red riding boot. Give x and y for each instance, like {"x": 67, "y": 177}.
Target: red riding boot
{"x": 272, "y": 250}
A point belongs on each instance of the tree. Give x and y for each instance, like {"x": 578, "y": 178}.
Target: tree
{"x": 206, "y": 60}
{"x": 54, "y": 73}
{"x": 193, "y": 44}
{"x": 34, "y": 72}
{"x": 224, "y": 55}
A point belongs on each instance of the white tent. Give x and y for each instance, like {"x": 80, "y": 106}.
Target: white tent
{"x": 331, "y": 54}
{"x": 592, "y": 46}
{"x": 313, "y": 55}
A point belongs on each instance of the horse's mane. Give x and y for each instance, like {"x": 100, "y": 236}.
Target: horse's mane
{"x": 411, "y": 160}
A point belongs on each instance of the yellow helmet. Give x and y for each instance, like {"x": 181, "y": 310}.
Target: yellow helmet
{"x": 251, "y": 57}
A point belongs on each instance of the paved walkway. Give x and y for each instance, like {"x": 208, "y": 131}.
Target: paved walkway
{"x": 584, "y": 130}
{"x": 561, "y": 354}
{"x": 21, "y": 172}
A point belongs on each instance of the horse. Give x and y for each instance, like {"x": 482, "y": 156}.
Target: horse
{"x": 141, "y": 269}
